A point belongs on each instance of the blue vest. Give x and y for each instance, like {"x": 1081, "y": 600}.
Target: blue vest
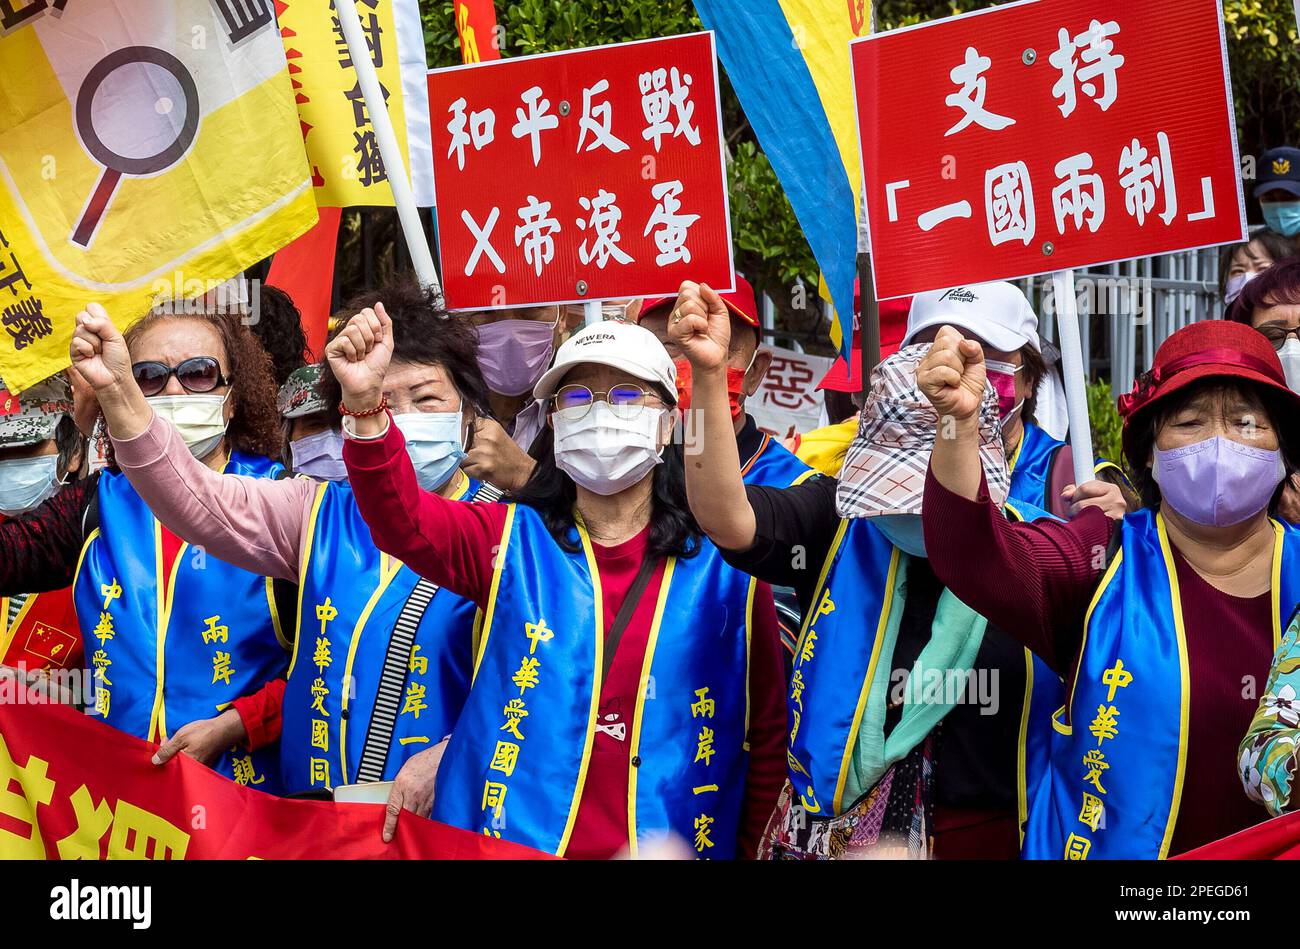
{"x": 775, "y": 466}
{"x": 1115, "y": 775}
{"x": 349, "y": 598}
{"x": 837, "y": 659}
{"x": 1031, "y": 467}
{"x": 160, "y": 663}
{"x": 517, "y": 761}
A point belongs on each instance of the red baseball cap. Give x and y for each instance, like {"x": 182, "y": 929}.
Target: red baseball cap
{"x": 1218, "y": 349}
{"x": 842, "y": 377}
{"x": 741, "y": 302}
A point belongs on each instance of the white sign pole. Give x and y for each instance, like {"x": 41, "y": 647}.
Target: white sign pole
{"x": 591, "y": 312}
{"x": 394, "y": 166}
{"x": 1073, "y": 367}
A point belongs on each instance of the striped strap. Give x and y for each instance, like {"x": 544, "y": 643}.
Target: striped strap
{"x": 397, "y": 664}
{"x": 392, "y": 682}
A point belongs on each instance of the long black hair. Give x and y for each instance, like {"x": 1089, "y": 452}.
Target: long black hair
{"x": 552, "y": 494}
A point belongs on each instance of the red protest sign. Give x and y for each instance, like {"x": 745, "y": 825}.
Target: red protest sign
{"x": 1042, "y": 136}
{"x": 584, "y": 175}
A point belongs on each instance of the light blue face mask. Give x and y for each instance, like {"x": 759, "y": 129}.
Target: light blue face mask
{"x": 1283, "y": 217}
{"x": 27, "y": 483}
{"x": 436, "y": 444}
{"x": 904, "y": 531}
{"x": 320, "y": 456}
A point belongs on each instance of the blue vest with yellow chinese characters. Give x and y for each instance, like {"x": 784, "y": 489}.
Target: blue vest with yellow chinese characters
{"x": 775, "y": 466}
{"x": 837, "y": 658}
{"x": 161, "y": 662}
{"x": 349, "y": 598}
{"x": 835, "y": 662}
{"x": 1115, "y": 775}
{"x": 517, "y": 761}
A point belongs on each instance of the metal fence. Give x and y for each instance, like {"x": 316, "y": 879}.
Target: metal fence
{"x": 1127, "y": 310}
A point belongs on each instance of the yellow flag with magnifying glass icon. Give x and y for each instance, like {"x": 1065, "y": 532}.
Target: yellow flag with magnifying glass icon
{"x": 149, "y": 150}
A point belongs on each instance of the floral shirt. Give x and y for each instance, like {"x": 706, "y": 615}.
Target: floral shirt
{"x": 1268, "y": 752}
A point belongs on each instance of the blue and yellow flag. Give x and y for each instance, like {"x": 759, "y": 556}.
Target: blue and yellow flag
{"x": 788, "y": 61}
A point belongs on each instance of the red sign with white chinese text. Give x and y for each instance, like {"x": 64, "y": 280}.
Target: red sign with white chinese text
{"x": 585, "y": 175}
{"x": 1045, "y": 135}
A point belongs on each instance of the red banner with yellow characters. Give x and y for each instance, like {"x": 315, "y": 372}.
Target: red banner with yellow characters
{"x": 476, "y": 25}
{"x": 72, "y": 787}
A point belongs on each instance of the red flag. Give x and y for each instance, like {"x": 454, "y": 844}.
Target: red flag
{"x": 71, "y": 786}
{"x": 476, "y": 24}
{"x": 304, "y": 269}
{"x": 1276, "y": 839}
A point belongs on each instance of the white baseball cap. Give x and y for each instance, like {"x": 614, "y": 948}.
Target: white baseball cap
{"x": 613, "y": 343}
{"x": 997, "y": 313}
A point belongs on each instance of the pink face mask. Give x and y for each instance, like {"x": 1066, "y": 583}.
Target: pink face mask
{"x": 513, "y": 354}
{"x": 1002, "y": 377}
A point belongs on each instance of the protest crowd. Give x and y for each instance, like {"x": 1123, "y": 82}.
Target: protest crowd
{"x": 537, "y": 571}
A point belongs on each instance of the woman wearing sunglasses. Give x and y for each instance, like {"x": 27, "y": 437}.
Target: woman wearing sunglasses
{"x": 376, "y": 637}
{"x": 172, "y": 635}
{"x": 627, "y": 682}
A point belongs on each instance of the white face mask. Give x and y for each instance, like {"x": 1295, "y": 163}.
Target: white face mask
{"x": 201, "y": 419}
{"x": 1289, "y": 355}
{"x": 604, "y": 453}
{"x": 27, "y": 483}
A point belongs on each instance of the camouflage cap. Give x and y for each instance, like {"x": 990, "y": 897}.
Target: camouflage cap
{"x": 32, "y": 416}
{"x": 301, "y": 394}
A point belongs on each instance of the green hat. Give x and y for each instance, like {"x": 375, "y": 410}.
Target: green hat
{"x": 301, "y": 395}
{"x": 32, "y": 417}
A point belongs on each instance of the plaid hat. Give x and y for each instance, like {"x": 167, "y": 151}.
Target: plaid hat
{"x": 300, "y": 395}
{"x": 32, "y": 417}
{"x": 884, "y": 470}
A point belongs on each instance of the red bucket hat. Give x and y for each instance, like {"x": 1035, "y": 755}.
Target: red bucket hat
{"x": 1218, "y": 349}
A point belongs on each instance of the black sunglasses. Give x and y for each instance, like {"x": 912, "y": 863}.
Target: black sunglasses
{"x": 199, "y": 374}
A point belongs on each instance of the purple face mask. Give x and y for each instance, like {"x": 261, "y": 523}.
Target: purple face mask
{"x": 513, "y": 354}
{"x": 1218, "y": 482}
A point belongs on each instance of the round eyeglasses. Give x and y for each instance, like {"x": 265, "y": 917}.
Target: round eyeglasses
{"x": 625, "y": 401}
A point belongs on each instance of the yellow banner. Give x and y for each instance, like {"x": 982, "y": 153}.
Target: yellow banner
{"x": 345, "y": 164}
{"x": 144, "y": 145}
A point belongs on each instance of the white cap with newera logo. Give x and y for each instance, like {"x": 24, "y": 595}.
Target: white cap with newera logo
{"x": 613, "y": 343}
{"x": 997, "y": 313}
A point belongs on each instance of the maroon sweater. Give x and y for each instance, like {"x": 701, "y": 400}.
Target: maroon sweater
{"x": 1036, "y": 580}
{"x": 454, "y": 545}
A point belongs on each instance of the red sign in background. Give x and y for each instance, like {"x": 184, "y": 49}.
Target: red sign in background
{"x": 637, "y": 194}
{"x": 933, "y": 138}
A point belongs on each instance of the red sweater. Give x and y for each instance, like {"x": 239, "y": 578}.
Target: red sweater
{"x": 1036, "y": 581}
{"x": 454, "y": 545}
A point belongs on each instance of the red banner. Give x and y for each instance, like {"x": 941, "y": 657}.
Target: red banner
{"x": 1276, "y": 839}
{"x": 1044, "y": 136}
{"x": 584, "y": 175}
{"x": 476, "y": 25}
{"x": 72, "y": 787}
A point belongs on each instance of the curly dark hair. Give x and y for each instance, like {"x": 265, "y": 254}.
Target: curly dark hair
{"x": 279, "y": 329}
{"x": 255, "y": 425}
{"x": 1148, "y": 423}
{"x": 423, "y": 333}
